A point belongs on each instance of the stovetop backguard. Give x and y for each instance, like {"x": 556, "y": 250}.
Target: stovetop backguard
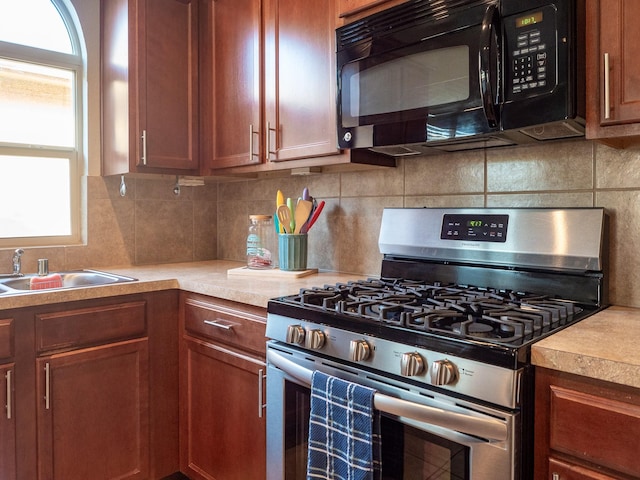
{"x": 561, "y": 252}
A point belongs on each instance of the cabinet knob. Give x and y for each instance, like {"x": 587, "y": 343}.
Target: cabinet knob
{"x": 359, "y": 350}
{"x": 555, "y": 476}
{"x": 411, "y": 364}
{"x": 314, "y": 339}
{"x": 295, "y": 334}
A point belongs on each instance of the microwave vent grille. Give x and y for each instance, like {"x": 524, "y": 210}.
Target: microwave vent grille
{"x": 402, "y": 16}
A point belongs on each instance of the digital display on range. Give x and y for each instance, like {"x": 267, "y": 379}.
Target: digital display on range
{"x": 477, "y": 228}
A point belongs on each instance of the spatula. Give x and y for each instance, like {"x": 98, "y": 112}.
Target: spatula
{"x": 303, "y": 209}
{"x": 284, "y": 217}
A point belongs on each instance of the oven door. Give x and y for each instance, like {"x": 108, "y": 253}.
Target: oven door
{"x": 424, "y": 435}
{"x": 433, "y": 81}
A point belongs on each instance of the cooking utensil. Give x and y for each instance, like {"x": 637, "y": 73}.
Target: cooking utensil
{"x": 314, "y": 217}
{"x": 303, "y": 209}
{"x": 279, "y": 201}
{"x": 292, "y": 225}
{"x": 284, "y": 217}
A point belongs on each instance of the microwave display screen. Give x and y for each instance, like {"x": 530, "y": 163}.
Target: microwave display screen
{"x": 528, "y": 20}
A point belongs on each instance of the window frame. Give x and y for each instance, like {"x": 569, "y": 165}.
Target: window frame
{"x": 77, "y": 65}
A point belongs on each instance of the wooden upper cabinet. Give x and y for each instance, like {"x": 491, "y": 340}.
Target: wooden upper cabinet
{"x": 150, "y": 86}
{"x": 231, "y": 82}
{"x": 269, "y": 84}
{"x": 613, "y": 71}
{"x": 300, "y": 79}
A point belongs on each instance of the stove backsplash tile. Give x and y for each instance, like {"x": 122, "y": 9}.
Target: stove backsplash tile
{"x": 574, "y": 173}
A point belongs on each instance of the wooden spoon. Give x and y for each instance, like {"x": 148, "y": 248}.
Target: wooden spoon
{"x": 303, "y": 209}
{"x": 284, "y": 217}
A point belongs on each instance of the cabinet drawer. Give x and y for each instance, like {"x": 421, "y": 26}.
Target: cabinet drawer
{"x": 568, "y": 471}
{"x": 224, "y": 324}
{"x": 6, "y": 338}
{"x": 597, "y": 429}
{"x": 90, "y": 326}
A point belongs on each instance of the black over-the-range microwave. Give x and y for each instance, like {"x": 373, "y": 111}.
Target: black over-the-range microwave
{"x": 461, "y": 74}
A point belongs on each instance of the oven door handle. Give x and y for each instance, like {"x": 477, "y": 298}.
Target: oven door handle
{"x": 489, "y": 428}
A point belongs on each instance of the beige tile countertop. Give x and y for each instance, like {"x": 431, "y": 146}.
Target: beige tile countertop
{"x": 207, "y": 278}
{"x": 603, "y": 346}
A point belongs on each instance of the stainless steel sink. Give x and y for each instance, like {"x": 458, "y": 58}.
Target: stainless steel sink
{"x": 71, "y": 279}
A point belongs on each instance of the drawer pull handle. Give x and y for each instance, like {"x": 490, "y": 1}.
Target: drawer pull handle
{"x": 9, "y": 396}
{"x": 607, "y": 88}
{"x": 555, "y": 476}
{"x": 261, "y": 404}
{"x": 220, "y": 324}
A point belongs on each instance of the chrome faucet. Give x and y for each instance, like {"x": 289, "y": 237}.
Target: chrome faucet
{"x": 17, "y": 264}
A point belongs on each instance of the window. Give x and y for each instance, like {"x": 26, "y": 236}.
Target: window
{"x": 41, "y": 78}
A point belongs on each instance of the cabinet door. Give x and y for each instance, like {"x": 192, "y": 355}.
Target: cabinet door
{"x": 300, "y": 79}
{"x": 150, "y": 86}
{"x": 168, "y": 87}
{"x": 93, "y": 413}
{"x": 231, "y": 82}
{"x": 560, "y": 470}
{"x": 7, "y": 424}
{"x": 612, "y": 68}
{"x": 222, "y": 426}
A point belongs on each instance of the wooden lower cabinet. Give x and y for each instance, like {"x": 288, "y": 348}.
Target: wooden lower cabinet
{"x": 93, "y": 408}
{"x": 585, "y": 429}
{"x": 221, "y": 391}
{"x": 93, "y": 389}
{"x": 7, "y": 424}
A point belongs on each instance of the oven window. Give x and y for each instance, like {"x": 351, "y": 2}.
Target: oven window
{"x": 407, "y": 452}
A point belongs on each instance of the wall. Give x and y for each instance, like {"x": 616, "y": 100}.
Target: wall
{"x": 562, "y": 174}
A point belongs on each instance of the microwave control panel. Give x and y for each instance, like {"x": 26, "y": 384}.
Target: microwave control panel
{"x": 531, "y": 46}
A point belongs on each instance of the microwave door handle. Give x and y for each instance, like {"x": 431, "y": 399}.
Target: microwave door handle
{"x": 484, "y": 427}
{"x": 490, "y": 27}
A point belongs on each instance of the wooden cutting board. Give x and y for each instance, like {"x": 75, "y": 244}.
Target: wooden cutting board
{"x": 269, "y": 273}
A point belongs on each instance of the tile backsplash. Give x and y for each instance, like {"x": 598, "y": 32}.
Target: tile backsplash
{"x": 152, "y": 225}
{"x": 575, "y": 173}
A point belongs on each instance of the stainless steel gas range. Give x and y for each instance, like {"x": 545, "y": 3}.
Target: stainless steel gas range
{"x": 444, "y": 336}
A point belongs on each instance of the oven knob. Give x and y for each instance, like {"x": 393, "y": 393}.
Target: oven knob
{"x": 443, "y": 372}
{"x": 315, "y": 339}
{"x": 295, "y": 334}
{"x": 359, "y": 350}
{"x": 411, "y": 364}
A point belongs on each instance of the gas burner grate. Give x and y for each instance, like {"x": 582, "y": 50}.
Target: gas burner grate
{"x": 460, "y": 310}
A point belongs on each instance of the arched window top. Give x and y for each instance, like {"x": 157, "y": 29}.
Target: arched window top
{"x": 35, "y": 23}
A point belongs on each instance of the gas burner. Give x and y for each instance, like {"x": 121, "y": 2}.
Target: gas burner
{"x": 465, "y": 311}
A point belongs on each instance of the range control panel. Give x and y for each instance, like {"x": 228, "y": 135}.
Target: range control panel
{"x": 477, "y": 228}
{"x": 532, "y": 46}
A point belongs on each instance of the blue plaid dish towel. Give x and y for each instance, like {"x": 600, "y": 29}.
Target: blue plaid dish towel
{"x": 344, "y": 431}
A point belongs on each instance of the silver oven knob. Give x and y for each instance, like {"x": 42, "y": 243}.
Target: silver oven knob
{"x": 443, "y": 372}
{"x": 315, "y": 339}
{"x": 359, "y": 350}
{"x": 411, "y": 364}
{"x": 295, "y": 334}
